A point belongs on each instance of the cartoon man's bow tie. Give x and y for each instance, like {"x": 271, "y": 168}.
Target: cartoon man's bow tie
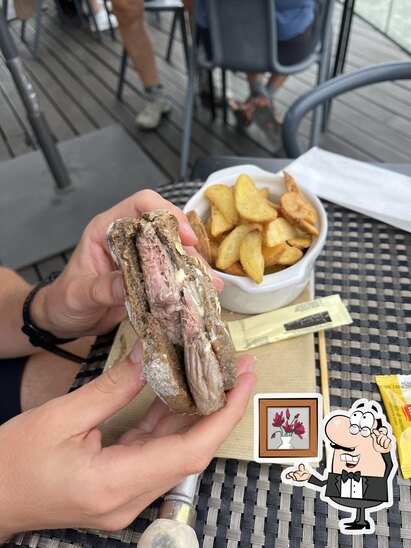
{"x": 350, "y": 475}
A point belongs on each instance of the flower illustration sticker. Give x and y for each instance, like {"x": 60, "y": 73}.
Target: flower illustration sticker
{"x": 286, "y": 427}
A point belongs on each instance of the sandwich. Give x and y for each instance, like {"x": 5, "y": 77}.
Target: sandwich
{"x": 188, "y": 356}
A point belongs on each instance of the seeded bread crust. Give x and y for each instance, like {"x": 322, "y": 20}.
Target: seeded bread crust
{"x": 162, "y": 367}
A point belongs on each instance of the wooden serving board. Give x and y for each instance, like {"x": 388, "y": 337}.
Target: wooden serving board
{"x": 285, "y": 366}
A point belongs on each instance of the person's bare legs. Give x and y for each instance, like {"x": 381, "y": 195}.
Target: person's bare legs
{"x": 47, "y": 376}
{"x": 95, "y": 6}
{"x": 130, "y": 16}
{"x": 276, "y": 81}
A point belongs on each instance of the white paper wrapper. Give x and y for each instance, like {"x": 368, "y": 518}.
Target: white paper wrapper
{"x": 374, "y": 191}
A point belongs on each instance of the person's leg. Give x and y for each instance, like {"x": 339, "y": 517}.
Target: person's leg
{"x": 102, "y": 17}
{"x": 46, "y": 376}
{"x": 130, "y": 16}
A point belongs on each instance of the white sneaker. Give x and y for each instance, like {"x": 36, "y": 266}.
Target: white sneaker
{"x": 150, "y": 116}
{"x": 102, "y": 20}
{"x": 11, "y": 12}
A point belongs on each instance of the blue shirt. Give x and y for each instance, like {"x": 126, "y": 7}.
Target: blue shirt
{"x": 293, "y": 16}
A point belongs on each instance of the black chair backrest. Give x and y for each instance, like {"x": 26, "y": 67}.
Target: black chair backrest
{"x": 397, "y": 70}
{"x": 243, "y": 34}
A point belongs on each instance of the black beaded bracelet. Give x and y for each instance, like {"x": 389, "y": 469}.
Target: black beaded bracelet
{"x": 40, "y": 337}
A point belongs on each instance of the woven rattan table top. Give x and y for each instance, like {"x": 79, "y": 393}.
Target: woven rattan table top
{"x": 244, "y": 504}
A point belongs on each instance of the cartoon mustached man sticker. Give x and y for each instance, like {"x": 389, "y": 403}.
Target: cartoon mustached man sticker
{"x": 361, "y": 465}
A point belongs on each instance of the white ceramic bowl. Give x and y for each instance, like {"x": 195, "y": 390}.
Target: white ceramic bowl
{"x": 240, "y": 294}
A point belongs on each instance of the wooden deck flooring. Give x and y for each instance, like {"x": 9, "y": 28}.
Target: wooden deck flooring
{"x": 75, "y": 78}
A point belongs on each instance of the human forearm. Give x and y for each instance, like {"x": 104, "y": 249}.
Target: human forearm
{"x": 13, "y": 292}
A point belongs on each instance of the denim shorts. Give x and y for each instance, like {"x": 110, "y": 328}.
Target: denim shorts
{"x": 11, "y": 372}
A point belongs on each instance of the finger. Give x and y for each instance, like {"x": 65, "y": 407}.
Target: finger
{"x": 158, "y": 411}
{"x": 374, "y": 434}
{"x": 383, "y": 430}
{"x": 98, "y": 400}
{"x": 387, "y": 442}
{"x": 197, "y": 445}
{"x": 245, "y": 363}
{"x": 301, "y": 467}
{"x": 104, "y": 290}
{"x": 145, "y": 200}
{"x": 219, "y": 284}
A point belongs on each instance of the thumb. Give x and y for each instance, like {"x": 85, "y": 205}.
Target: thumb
{"x": 301, "y": 467}
{"x": 103, "y": 290}
{"x": 98, "y": 400}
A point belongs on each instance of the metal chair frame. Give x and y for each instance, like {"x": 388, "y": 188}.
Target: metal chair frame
{"x": 224, "y": 58}
{"x": 373, "y": 74}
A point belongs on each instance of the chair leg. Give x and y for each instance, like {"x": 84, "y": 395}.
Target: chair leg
{"x": 112, "y": 31}
{"x": 59, "y": 9}
{"x": 224, "y": 98}
{"x": 327, "y": 104}
{"x": 189, "y": 110}
{"x": 171, "y": 37}
{"x": 93, "y": 18}
{"x": 319, "y": 114}
{"x": 122, "y": 75}
{"x": 23, "y": 32}
{"x": 211, "y": 92}
{"x": 184, "y": 37}
{"x": 39, "y": 14}
{"x": 79, "y": 11}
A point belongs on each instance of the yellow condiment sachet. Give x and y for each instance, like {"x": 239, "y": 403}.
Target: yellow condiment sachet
{"x": 396, "y": 394}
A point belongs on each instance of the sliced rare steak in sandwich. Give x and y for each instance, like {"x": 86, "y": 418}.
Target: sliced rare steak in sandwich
{"x": 189, "y": 359}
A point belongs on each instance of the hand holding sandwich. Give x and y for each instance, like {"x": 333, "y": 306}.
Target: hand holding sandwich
{"x": 88, "y": 297}
{"x": 55, "y": 473}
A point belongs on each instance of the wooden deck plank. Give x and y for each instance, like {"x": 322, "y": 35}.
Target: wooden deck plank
{"x": 52, "y": 264}
{"x": 11, "y": 123}
{"x": 77, "y": 76}
{"x": 108, "y": 55}
{"x": 30, "y": 274}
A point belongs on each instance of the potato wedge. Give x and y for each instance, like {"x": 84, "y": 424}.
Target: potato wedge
{"x": 301, "y": 242}
{"x": 194, "y": 218}
{"x": 273, "y": 269}
{"x": 290, "y": 183}
{"x": 296, "y": 209}
{"x": 279, "y": 230}
{"x": 236, "y": 270}
{"x": 275, "y": 206}
{"x": 219, "y": 224}
{"x": 229, "y": 250}
{"x": 251, "y": 256}
{"x": 273, "y": 254}
{"x": 214, "y": 251}
{"x": 221, "y": 196}
{"x": 199, "y": 229}
{"x": 290, "y": 256}
{"x": 249, "y": 202}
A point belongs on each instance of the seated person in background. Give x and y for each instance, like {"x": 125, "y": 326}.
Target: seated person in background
{"x": 54, "y": 472}
{"x": 130, "y": 17}
{"x": 298, "y": 27}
